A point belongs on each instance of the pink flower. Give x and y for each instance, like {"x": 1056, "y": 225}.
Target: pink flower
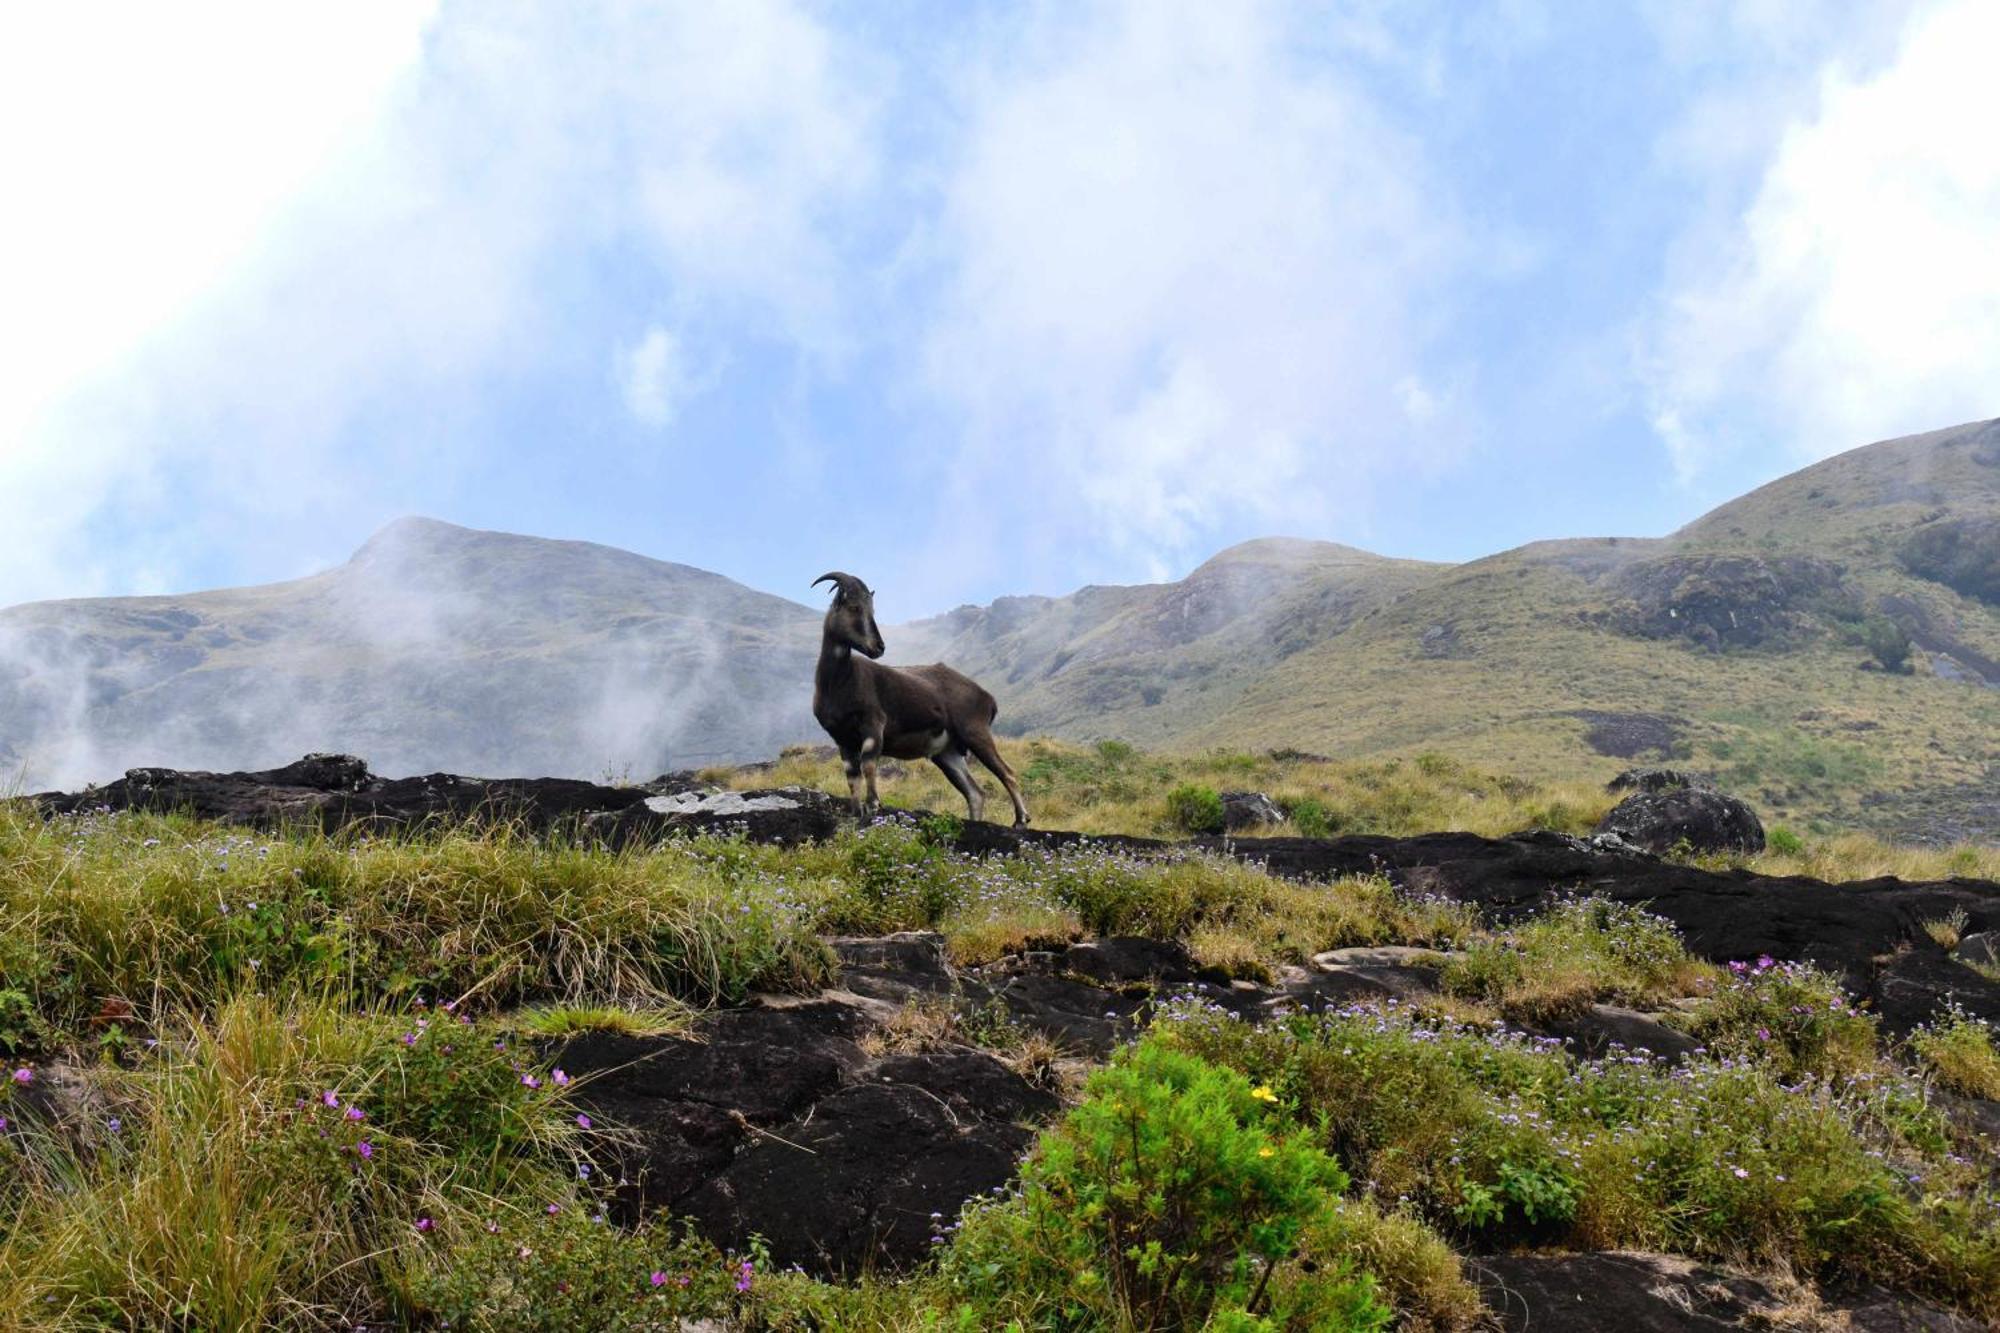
{"x": 554, "y": 1208}
{"x": 583, "y": 1122}
{"x": 530, "y": 1081}
{"x": 658, "y": 1279}
{"x": 424, "y": 1224}
{"x": 24, "y": 1076}
{"x": 1739, "y": 1173}
{"x": 329, "y": 1098}
{"x": 561, "y": 1079}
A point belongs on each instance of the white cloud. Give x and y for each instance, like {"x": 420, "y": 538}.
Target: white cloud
{"x": 652, "y": 378}
{"x": 261, "y": 232}
{"x": 1858, "y": 295}
{"x": 1185, "y": 264}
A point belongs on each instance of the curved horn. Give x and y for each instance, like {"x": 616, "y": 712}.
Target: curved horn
{"x": 845, "y": 582}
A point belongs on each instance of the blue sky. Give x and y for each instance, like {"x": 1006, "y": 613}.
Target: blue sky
{"x": 972, "y": 299}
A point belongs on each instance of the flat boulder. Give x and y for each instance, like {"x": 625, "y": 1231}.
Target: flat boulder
{"x": 1692, "y": 817}
{"x": 869, "y": 1179}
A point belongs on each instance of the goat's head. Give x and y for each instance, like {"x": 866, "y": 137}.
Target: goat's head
{"x": 851, "y": 618}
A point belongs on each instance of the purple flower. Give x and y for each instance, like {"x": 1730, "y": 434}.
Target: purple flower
{"x": 658, "y": 1278}
{"x": 329, "y": 1098}
{"x": 530, "y": 1081}
{"x": 24, "y": 1076}
{"x": 366, "y": 1149}
{"x": 561, "y": 1079}
{"x": 356, "y": 1113}
{"x": 743, "y": 1276}
{"x": 1764, "y": 960}
{"x": 583, "y": 1122}
{"x": 554, "y": 1208}
{"x": 424, "y": 1224}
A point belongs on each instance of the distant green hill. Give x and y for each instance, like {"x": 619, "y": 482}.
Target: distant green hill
{"x": 1748, "y": 644}
{"x": 1738, "y": 645}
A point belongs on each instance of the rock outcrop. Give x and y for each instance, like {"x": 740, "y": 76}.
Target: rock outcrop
{"x": 1667, "y": 818}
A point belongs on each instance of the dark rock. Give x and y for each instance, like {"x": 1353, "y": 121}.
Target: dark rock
{"x": 1249, "y": 809}
{"x": 1079, "y": 1017}
{"x": 1607, "y": 1030}
{"x": 971, "y": 1082}
{"x": 1982, "y": 948}
{"x": 854, "y": 1186}
{"x": 1123, "y": 958}
{"x": 1629, "y": 735}
{"x": 1656, "y": 779}
{"x": 1636, "y": 1292}
{"x": 1703, "y": 821}
{"x": 898, "y": 968}
{"x": 1727, "y": 601}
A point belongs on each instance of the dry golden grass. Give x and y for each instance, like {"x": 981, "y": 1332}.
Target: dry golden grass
{"x": 1111, "y": 788}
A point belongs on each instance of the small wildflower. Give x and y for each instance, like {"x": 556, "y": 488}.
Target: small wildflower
{"x": 425, "y": 1224}
{"x": 583, "y": 1122}
{"x": 329, "y": 1098}
{"x": 530, "y": 1081}
{"x": 366, "y": 1149}
{"x": 1739, "y": 1173}
{"x": 553, "y": 1209}
{"x": 1262, "y": 1092}
{"x": 743, "y": 1276}
{"x": 24, "y": 1076}
{"x": 561, "y": 1079}
{"x": 1265, "y": 1152}
{"x": 115, "y": 1125}
{"x": 658, "y": 1278}
{"x": 356, "y": 1113}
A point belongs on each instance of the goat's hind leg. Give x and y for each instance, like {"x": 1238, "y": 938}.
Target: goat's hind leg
{"x": 956, "y": 771}
{"x": 988, "y": 753}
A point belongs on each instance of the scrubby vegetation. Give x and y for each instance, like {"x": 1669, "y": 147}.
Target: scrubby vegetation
{"x": 306, "y": 1081}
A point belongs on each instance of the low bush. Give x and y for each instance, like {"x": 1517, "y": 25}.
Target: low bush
{"x": 1195, "y": 809}
{"x": 1957, "y": 1049}
{"x": 1583, "y": 951}
{"x": 1175, "y": 1196}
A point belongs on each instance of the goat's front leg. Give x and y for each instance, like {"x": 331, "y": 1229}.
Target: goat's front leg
{"x": 871, "y": 750}
{"x": 851, "y": 761}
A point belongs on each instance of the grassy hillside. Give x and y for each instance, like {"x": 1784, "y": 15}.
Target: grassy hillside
{"x": 1742, "y": 645}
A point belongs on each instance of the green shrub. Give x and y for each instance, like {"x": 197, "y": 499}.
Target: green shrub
{"x": 1311, "y": 818}
{"x": 1195, "y": 809}
{"x": 1958, "y": 1050}
{"x": 1578, "y": 952}
{"x": 1170, "y": 1198}
{"x": 1887, "y": 641}
{"x": 1790, "y": 1016}
{"x": 1784, "y": 842}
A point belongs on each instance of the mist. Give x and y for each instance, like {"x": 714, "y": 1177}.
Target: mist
{"x": 434, "y": 648}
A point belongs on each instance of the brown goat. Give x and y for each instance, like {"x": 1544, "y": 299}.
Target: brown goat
{"x": 925, "y": 712}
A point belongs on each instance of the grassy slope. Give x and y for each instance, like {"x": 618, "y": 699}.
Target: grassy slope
{"x": 1335, "y": 660}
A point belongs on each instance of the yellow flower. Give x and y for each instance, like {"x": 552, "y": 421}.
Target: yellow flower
{"x": 1263, "y": 1093}
{"x": 1266, "y": 1152}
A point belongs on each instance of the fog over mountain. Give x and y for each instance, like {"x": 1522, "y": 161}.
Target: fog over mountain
{"x": 434, "y": 648}
{"x": 1745, "y": 644}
